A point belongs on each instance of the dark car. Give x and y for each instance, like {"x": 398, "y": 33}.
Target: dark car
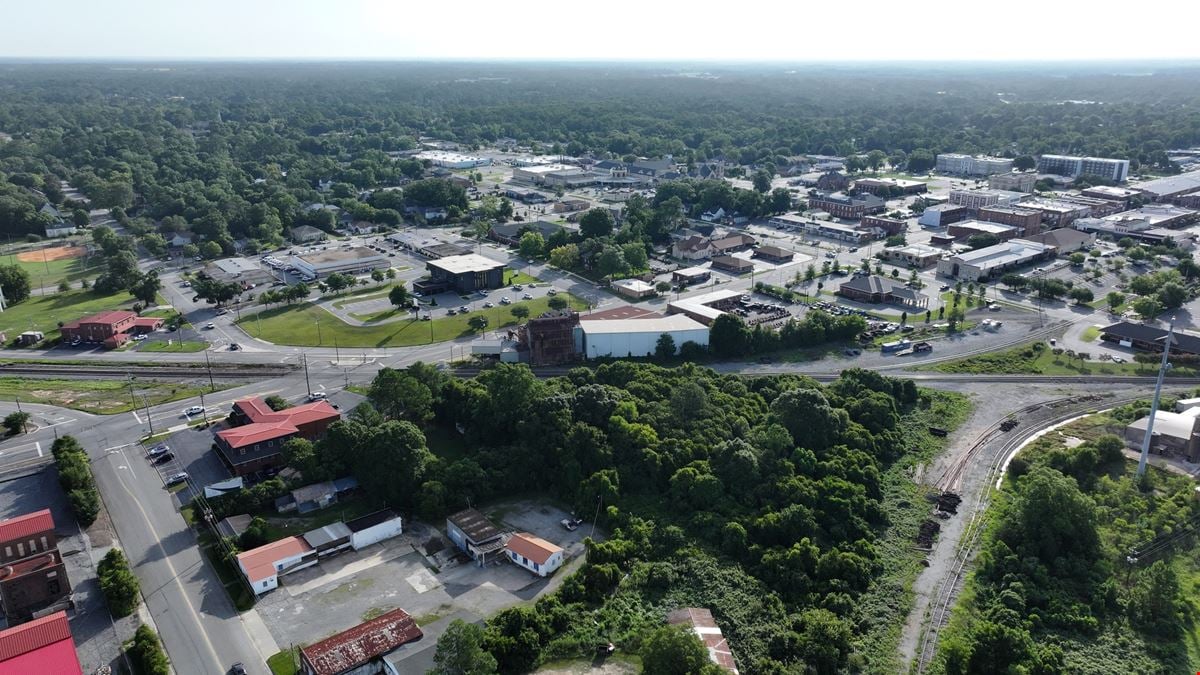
{"x": 237, "y": 669}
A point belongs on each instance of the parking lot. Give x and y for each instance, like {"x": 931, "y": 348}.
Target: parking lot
{"x": 418, "y": 573}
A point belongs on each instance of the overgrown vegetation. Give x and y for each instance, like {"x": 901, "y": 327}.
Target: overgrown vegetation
{"x": 147, "y": 654}
{"x": 75, "y": 476}
{"x": 1055, "y": 590}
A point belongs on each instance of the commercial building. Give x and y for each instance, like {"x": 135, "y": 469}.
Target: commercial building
{"x": 351, "y": 260}
{"x": 374, "y": 528}
{"x": 941, "y": 215}
{"x": 461, "y": 273}
{"x": 838, "y": 231}
{"x": 33, "y": 578}
{"x": 978, "y": 199}
{"x": 510, "y": 234}
{"x": 1016, "y": 181}
{"x": 328, "y": 539}
{"x": 706, "y": 308}
{"x": 841, "y": 205}
{"x": 873, "y": 289}
{"x": 526, "y": 195}
{"x": 913, "y": 255}
{"x": 1160, "y": 215}
{"x": 474, "y": 535}
{"x": 1137, "y": 229}
{"x": 361, "y": 649}
{"x": 889, "y": 187}
{"x": 732, "y": 265}
{"x": 732, "y": 243}
{"x": 1112, "y": 193}
{"x": 1028, "y": 221}
{"x": 774, "y": 254}
{"x": 885, "y": 226}
{"x": 694, "y": 247}
{"x": 303, "y": 234}
{"x": 691, "y": 275}
{"x": 534, "y": 553}
{"x": 993, "y": 261}
{"x": 701, "y": 622}
{"x": 634, "y": 289}
{"x": 1097, "y": 208}
{"x": 1176, "y": 434}
{"x": 1074, "y": 167}
{"x": 263, "y": 566}
{"x": 1056, "y": 212}
{"x": 112, "y": 328}
{"x": 453, "y": 160}
{"x": 969, "y": 228}
{"x": 968, "y": 165}
{"x": 43, "y": 646}
{"x": 245, "y": 273}
{"x": 257, "y": 433}
{"x": 636, "y": 337}
{"x": 1171, "y": 189}
{"x": 1149, "y": 338}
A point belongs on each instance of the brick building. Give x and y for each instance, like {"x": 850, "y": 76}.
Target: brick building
{"x": 549, "y": 339}
{"x": 112, "y": 328}
{"x": 888, "y": 226}
{"x": 840, "y": 205}
{"x": 1028, "y": 220}
{"x": 257, "y": 433}
{"x": 33, "y": 578}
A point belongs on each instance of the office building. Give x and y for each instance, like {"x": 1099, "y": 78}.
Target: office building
{"x": 941, "y": 215}
{"x": 1022, "y": 181}
{"x": 461, "y": 273}
{"x": 1074, "y": 167}
{"x": 970, "y": 228}
{"x": 840, "y": 205}
{"x": 1029, "y": 220}
{"x": 992, "y": 262}
{"x": 345, "y": 260}
{"x": 967, "y": 165}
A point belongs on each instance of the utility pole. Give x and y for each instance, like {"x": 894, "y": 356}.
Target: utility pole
{"x": 1162, "y": 371}
{"x": 203, "y": 410}
{"x": 337, "y": 356}
{"x": 211, "y": 384}
{"x": 148, "y": 420}
{"x": 306, "y": 381}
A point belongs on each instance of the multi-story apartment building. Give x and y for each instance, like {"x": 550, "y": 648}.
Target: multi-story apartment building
{"x": 968, "y": 165}
{"x": 1013, "y": 182}
{"x": 1074, "y": 167}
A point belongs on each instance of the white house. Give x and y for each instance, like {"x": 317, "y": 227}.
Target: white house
{"x": 263, "y": 566}
{"x": 534, "y": 553}
{"x": 713, "y": 216}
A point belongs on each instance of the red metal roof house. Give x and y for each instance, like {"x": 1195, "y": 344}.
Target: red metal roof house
{"x": 257, "y": 432}
{"x": 112, "y": 328}
{"x": 42, "y": 646}
{"x": 363, "y": 645}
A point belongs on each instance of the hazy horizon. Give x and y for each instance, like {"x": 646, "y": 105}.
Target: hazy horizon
{"x": 622, "y": 31}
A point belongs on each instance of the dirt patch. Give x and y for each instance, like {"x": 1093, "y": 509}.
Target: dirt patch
{"x": 56, "y": 253}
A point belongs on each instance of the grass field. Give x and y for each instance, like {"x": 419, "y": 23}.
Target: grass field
{"x": 1025, "y": 360}
{"x": 100, "y": 397}
{"x": 297, "y": 325}
{"x": 186, "y": 346}
{"x": 53, "y": 271}
{"x": 283, "y": 663}
{"x": 43, "y": 313}
{"x": 1090, "y": 334}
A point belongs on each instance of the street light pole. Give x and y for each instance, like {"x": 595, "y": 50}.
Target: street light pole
{"x": 208, "y": 363}
{"x": 1162, "y": 371}
{"x": 307, "y": 383}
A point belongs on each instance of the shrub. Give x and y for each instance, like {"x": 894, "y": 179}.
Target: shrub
{"x": 119, "y": 585}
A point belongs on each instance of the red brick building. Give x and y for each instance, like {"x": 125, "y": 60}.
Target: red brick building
{"x": 110, "y": 328}
{"x": 353, "y": 650}
{"x": 257, "y": 433}
{"x": 33, "y": 577}
{"x": 1028, "y": 219}
{"x": 889, "y": 226}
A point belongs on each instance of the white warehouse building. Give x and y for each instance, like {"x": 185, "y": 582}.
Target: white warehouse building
{"x": 360, "y": 259}
{"x": 635, "y": 337}
{"x": 453, "y": 160}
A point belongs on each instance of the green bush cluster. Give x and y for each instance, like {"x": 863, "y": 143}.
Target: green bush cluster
{"x": 118, "y": 583}
{"x": 75, "y": 476}
{"x": 147, "y": 653}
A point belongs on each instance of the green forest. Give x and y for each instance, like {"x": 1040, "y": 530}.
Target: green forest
{"x": 785, "y": 506}
{"x": 1055, "y": 589}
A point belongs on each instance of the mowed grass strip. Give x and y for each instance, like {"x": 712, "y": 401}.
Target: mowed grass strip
{"x": 100, "y": 397}
{"x": 175, "y": 346}
{"x": 297, "y": 325}
{"x": 43, "y": 313}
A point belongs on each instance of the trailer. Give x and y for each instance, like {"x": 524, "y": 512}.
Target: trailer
{"x": 898, "y": 345}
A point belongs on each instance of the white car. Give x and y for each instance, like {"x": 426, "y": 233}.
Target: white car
{"x": 210, "y": 325}
{"x": 505, "y": 301}
{"x": 194, "y": 410}
{"x": 139, "y": 337}
{"x": 317, "y": 396}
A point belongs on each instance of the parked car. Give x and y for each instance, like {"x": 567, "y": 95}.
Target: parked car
{"x": 140, "y": 336}
{"x": 164, "y": 458}
{"x": 176, "y": 479}
{"x": 505, "y": 301}
{"x": 551, "y": 292}
{"x": 194, "y": 410}
{"x": 157, "y": 450}
{"x": 210, "y": 325}
{"x": 568, "y": 524}
{"x": 233, "y": 346}
{"x": 317, "y": 396}
{"x": 489, "y": 305}
{"x": 527, "y": 296}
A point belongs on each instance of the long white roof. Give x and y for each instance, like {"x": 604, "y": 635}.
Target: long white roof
{"x": 670, "y": 323}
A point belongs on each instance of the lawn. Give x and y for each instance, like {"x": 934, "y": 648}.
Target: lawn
{"x": 230, "y": 577}
{"x": 283, "y": 663}
{"x": 512, "y": 277}
{"x": 1090, "y": 334}
{"x": 184, "y": 346}
{"x": 1028, "y": 361}
{"x": 101, "y": 397}
{"x": 43, "y": 313}
{"x": 297, "y": 325}
{"x": 51, "y": 272}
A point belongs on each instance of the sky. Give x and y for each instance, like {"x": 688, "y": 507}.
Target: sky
{"x": 629, "y": 30}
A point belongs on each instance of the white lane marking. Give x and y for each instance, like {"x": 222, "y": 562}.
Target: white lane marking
{"x": 135, "y": 416}
{"x": 39, "y": 448}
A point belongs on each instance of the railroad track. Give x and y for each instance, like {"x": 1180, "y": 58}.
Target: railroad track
{"x": 947, "y": 591}
{"x": 159, "y": 372}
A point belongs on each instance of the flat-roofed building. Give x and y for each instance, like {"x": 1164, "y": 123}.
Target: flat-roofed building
{"x": 841, "y": 205}
{"x": 978, "y": 199}
{"x": 344, "y": 260}
{"x": 890, "y": 187}
{"x": 1014, "y": 181}
{"x": 1171, "y": 188}
{"x": 1074, "y": 167}
{"x": 885, "y": 226}
{"x": 549, "y": 339}
{"x": 941, "y": 215}
{"x": 637, "y": 337}
{"x": 992, "y": 261}
{"x": 969, "y": 228}
{"x": 691, "y": 275}
{"x": 1111, "y": 193}
{"x": 706, "y": 308}
{"x": 968, "y": 165}
{"x": 462, "y": 273}
{"x": 913, "y": 255}
{"x": 453, "y": 160}
{"x": 474, "y": 534}
{"x": 1028, "y": 221}
{"x": 1057, "y": 212}
{"x": 634, "y": 289}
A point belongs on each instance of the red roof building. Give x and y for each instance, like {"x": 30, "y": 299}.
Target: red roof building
{"x": 27, "y": 535}
{"x": 112, "y": 328}
{"x": 360, "y": 645}
{"x": 42, "y": 646}
{"x": 262, "y": 566}
{"x": 33, "y": 578}
{"x": 534, "y": 553}
{"x": 257, "y": 433}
